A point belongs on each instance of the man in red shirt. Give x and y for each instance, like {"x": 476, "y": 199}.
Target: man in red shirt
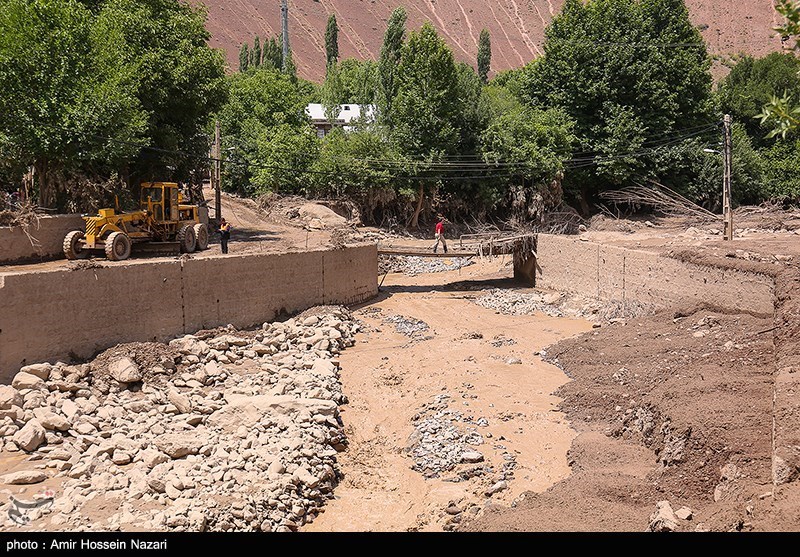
{"x": 440, "y": 235}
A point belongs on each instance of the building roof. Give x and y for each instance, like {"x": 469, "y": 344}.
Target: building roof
{"x": 347, "y": 112}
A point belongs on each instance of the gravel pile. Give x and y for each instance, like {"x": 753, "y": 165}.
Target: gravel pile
{"x": 240, "y": 433}
{"x": 407, "y": 326}
{"x": 510, "y": 302}
{"x": 413, "y": 266}
{"x": 444, "y": 438}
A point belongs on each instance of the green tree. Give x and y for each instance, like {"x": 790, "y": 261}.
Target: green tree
{"x": 426, "y": 108}
{"x": 272, "y": 55}
{"x": 388, "y": 62}
{"x": 67, "y": 98}
{"x": 332, "y": 92}
{"x": 259, "y": 101}
{"x": 750, "y": 85}
{"x": 782, "y": 112}
{"x": 781, "y": 164}
{"x": 244, "y": 58}
{"x": 345, "y": 169}
{"x": 484, "y": 55}
{"x": 350, "y": 81}
{"x": 624, "y": 71}
{"x": 285, "y": 155}
{"x": 331, "y": 41}
{"x": 531, "y": 145}
{"x": 255, "y": 53}
{"x": 359, "y": 80}
{"x": 290, "y": 69}
{"x": 180, "y": 80}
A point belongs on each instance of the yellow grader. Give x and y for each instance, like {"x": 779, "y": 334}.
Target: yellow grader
{"x": 162, "y": 218}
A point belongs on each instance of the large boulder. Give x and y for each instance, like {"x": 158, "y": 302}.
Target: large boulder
{"x": 41, "y": 371}
{"x": 30, "y": 437}
{"x": 51, "y": 420}
{"x": 182, "y": 402}
{"x": 9, "y": 396}
{"x": 24, "y": 380}
{"x": 24, "y": 477}
{"x": 178, "y": 445}
{"x": 244, "y": 410}
{"x": 663, "y": 519}
{"x": 125, "y": 370}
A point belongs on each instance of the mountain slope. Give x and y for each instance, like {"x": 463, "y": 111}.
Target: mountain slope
{"x": 516, "y": 27}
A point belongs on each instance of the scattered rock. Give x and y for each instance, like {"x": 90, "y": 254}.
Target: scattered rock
{"x": 30, "y": 437}
{"x": 9, "y": 396}
{"x": 24, "y": 380}
{"x": 663, "y": 519}
{"x": 182, "y": 402}
{"x": 496, "y": 488}
{"x": 42, "y": 371}
{"x": 24, "y": 477}
{"x": 684, "y": 513}
{"x": 471, "y": 457}
{"x": 51, "y": 420}
{"x": 178, "y": 445}
{"x": 125, "y": 370}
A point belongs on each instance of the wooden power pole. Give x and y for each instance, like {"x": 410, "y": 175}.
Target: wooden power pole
{"x": 727, "y": 152}
{"x": 216, "y": 175}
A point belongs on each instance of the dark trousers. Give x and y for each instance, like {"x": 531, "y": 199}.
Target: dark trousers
{"x": 224, "y": 242}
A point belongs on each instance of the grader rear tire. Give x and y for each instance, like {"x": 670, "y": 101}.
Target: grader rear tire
{"x": 72, "y": 245}
{"x": 187, "y": 239}
{"x": 118, "y": 246}
{"x": 201, "y": 232}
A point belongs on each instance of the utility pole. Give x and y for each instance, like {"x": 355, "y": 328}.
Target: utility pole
{"x": 216, "y": 174}
{"x": 727, "y": 212}
{"x": 285, "y": 31}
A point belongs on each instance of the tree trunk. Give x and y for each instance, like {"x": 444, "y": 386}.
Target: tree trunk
{"x": 585, "y": 201}
{"x": 45, "y": 188}
{"x": 418, "y": 210}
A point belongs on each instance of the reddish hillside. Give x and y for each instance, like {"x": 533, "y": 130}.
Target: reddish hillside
{"x": 516, "y": 26}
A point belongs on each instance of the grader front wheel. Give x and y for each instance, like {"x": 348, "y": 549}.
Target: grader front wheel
{"x": 72, "y": 245}
{"x": 118, "y": 246}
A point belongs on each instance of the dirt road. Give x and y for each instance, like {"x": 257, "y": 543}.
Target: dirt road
{"x": 487, "y": 365}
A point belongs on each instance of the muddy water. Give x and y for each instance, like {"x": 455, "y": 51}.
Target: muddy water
{"x": 387, "y": 377}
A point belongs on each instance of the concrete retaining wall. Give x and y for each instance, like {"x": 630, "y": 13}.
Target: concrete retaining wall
{"x": 47, "y": 234}
{"x": 612, "y": 273}
{"x": 51, "y": 315}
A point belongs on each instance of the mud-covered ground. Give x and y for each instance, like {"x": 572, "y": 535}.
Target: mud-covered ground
{"x": 678, "y": 407}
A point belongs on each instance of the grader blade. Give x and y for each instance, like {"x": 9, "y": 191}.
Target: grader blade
{"x": 158, "y": 248}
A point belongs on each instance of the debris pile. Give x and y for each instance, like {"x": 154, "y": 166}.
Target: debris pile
{"x": 413, "y": 266}
{"x": 408, "y": 326}
{"x": 228, "y": 432}
{"x": 439, "y": 444}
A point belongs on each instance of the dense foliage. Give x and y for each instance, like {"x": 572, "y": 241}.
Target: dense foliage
{"x": 93, "y": 89}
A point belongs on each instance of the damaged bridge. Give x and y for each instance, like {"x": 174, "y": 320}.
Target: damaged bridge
{"x": 521, "y": 246}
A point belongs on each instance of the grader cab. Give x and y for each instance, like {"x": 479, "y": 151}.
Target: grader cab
{"x": 162, "y": 218}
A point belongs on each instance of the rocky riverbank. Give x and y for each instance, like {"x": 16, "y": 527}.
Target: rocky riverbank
{"x": 221, "y": 430}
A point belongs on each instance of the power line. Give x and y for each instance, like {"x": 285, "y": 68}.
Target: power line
{"x": 667, "y": 139}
